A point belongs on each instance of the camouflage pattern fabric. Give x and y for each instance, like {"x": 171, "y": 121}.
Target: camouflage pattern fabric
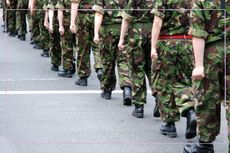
{"x": 138, "y": 45}
{"x": 11, "y": 14}
{"x": 67, "y": 39}
{"x": 55, "y": 47}
{"x": 21, "y": 16}
{"x": 208, "y": 24}
{"x": 109, "y": 34}
{"x": 174, "y": 65}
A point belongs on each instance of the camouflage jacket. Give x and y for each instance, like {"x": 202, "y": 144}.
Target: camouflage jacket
{"x": 110, "y": 17}
{"x": 63, "y": 4}
{"x": 210, "y": 23}
{"x": 175, "y": 15}
{"x": 84, "y": 4}
{"x": 139, "y": 11}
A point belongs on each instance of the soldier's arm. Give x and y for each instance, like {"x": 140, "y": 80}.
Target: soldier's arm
{"x": 46, "y": 17}
{"x": 51, "y": 16}
{"x": 124, "y": 28}
{"x": 199, "y": 33}
{"x": 32, "y": 6}
{"x": 156, "y": 28}
{"x": 98, "y": 18}
{"x": 60, "y": 7}
{"x": 198, "y": 50}
{"x": 74, "y": 11}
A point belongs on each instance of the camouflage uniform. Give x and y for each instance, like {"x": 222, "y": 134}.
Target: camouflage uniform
{"x": 209, "y": 25}
{"x": 67, "y": 40}
{"x": 109, "y": 33}
{"x": 138, "y": 45}
{"x": 11, "y": 15}
{"x": 55, "y": 47}
{"x": 174, "y": 65}
{"x": 84, "y": 38}
{"x": 21, "y": 16}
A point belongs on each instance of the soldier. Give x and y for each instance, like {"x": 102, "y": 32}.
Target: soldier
{"x": 11, "y": 15}
{"x": 21, "y": 19}
{"x": 67, "y": 38}
{"x": 84, "y": 33}
{"x": 171, "y": 53}
{"x": 209, "y": 32}
{"x": 138, "y": 44}
{"x": 108, "y": 23}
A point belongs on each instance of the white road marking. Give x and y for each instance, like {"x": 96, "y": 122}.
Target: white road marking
{"x": 53, "y": 92}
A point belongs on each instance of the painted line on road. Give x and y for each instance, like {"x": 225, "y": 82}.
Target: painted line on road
{"x": 32, "y": 79}
{"x": 53, "y": 92}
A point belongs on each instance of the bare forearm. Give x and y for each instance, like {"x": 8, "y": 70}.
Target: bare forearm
{"x": 51, "y": 16}
{"x": 124, "y": 29}
{"x": 198, "y": 49}
{"x": 74, "y": 10}
{"x": 60, "y": 18}
{"x": 157, "y": 24}
{"x": 97, "y": 23}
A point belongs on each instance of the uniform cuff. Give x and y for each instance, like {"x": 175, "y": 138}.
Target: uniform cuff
{"x": 45, "y": 8}
{"x": 59, "y": 6}
{"x": 198, "y": 33}
{"x": 75, "y": 1}
{"x": 126, "y": 16}
{"x": 49, "y": 6}
{"x": 157, "y": 13}
{"x": 98, "y": 9}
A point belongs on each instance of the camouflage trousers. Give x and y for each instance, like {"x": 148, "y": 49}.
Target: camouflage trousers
{"x": 228, "y": 89}
{"x": 55, "y": 47}
{"x": 21, "y": 16}
{"x": 11, "y": 15}
{"x": 138, "y": 46}
{"x": 84, "y": 38}
{"x": 209, "y": 92}
{"x": 174, "y": 69}
{"x": 110, "y": 53}
{"x": 67, "y": 45}
{"x": 43, "y": 38}
{"x": 35, "y": 29}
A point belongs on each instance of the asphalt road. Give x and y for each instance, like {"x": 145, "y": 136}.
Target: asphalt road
{"x": 43, "y": 113}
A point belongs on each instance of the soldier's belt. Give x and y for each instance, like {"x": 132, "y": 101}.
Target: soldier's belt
{"x": 176, "y": 37}
{"x": 142, "y": 25}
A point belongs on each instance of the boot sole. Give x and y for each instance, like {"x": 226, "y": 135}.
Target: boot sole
{"x": 65, "y": 76}
{"x": 170, "y": 134}
{"x": 80, "y": 84}
{"x": 138, "y": 115}
{"x": 191, "y": 132}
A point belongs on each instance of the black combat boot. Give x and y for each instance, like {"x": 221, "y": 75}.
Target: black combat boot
{"x": 82, "y": 81}
{"x": 99, "y": 74}
{"x": 156, "y": 112}
{"x": 138, "y": 111}
{"x": 199, "y": 148}
{"x": 55, "y": 68}
{"x": 45, "y": 53}
{"x": 169, "y": 129}
{"x": 12, "y": 34}
{"x": 65, "y": 73}
{"x": 22, "y": 37}
{"x": 74, "y": 67}
{"x": 127, "y": 96}
{"x": 106, "y": 94}
{"x": 191, "y": 124}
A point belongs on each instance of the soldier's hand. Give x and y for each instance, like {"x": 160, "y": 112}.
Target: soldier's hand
{"x": 154, "y": 54}
{"x": 61, "y": 30}
{"x": 198, "y": 73}
{"x": 121, "y": 45}
{"x": 51, "y": 29}
{"x": 46, "y": 25}
{"x": 8, "y": 3}
{"x": 96, "y": 39}
{"x": 73, "y": 28}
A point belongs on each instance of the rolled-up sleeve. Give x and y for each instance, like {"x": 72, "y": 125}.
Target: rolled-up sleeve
{"x": 159, "y": 9}
{"x": 75, "y": 1}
